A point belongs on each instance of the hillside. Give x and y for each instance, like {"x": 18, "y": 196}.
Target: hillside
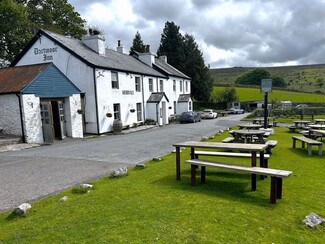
{"x": 304, "y": 78}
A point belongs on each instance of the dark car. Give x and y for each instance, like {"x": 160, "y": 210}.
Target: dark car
{"x": 190, "y": 117}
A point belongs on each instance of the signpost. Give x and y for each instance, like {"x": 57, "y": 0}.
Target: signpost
{"x": 266, "y": 87}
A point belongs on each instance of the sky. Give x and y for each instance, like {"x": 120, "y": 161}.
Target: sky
{"x": 229, "y": 33}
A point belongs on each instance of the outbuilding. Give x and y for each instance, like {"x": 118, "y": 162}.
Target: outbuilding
{"x": 39, "y": 103}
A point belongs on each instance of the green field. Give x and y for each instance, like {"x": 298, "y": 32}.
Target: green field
{"x": 299, "y": 78}
{"x": 253, "y": 94}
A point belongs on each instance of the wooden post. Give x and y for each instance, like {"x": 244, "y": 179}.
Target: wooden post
{"x": 178, "y": 163}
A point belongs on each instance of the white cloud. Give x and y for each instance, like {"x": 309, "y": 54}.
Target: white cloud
{"x": 228, "y": 32}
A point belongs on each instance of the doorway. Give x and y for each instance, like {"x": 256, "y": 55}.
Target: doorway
{"x": 53, "y": 120}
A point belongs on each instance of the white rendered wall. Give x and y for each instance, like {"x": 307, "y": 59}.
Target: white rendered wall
{"x": 77, "y": 71}
{"x": 32, "y": 119}
{"x": 73, "y": 118}
{"x": 10, "y": 115}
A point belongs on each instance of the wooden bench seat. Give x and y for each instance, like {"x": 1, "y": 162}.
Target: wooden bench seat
{"x": 276, "y": 174}
{"x": 231, "y": 154}
{"x": 271, "y": 144}
{"x": 310, "y": 142}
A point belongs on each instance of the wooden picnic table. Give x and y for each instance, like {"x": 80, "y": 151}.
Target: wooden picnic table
{"x": 247, "y": 136}
{"x": 259, "y": 120}
{"x": 301, "y": 123}
{"x": 317, "y": 126}
{"x": 249, "y": 126}
{"x": 252, "y": 148}
{"x": 319, "y": 121}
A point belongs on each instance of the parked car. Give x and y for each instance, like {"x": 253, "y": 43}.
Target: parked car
{"x": 302, "y": 106}
{"x": 235, "y": 110}
{"x": 190, "y": 117}
{"x": 209, "y": 114}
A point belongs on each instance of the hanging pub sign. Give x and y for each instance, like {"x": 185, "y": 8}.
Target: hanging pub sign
{"x": 266, "y": 85}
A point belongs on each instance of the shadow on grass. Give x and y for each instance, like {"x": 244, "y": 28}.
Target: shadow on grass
{"x": 227, "y": 185}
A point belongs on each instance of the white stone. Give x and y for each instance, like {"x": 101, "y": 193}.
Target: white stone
{"x": 21, "y": 210}
{"x": 313, "y": 220}
{"x": 86, "y": 186}
{"x": 63, "y": 199}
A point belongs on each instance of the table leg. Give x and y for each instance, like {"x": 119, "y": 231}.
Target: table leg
{"x": 253, "y": 176}
{"x": 263, "y": 164}
{"x": 193, "y": 175}
{"x": 178, "y": 164}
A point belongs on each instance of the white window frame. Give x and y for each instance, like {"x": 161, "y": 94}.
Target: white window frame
{"x": 137, "y": 84}
{"x": 174, "y": 85}
{"x": 114, "y": 79}
{"x": 150, "y": 85}
{"x": 161, "y": 85}
{"x": 139, "y": 111}
{"x": 117, "y": 111}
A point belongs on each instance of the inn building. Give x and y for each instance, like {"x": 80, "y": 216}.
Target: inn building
{"x": 114, "y": 86}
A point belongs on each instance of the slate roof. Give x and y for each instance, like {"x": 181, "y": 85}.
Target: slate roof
{"x": 15, "y": 79}
{"x": 113, "y": 60}
{"x": 184, "y": 98}
{"x": 156, "y": 97}
{"x": 42, "y": 80}
{"x": 169, "y": 70}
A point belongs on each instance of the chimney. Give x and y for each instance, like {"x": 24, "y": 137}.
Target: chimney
{"x": 120, "y": 47}
{"x": 163, "y": 58}
{"x": 95, "y": 41}
{"x": 146, "y": 56}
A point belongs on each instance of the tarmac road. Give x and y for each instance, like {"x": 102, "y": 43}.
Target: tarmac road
{"x": 34, "y": 173}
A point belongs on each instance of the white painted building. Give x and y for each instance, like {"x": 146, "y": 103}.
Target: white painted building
{"x": 116, "y": 86}
{"x": 39, "y": 104}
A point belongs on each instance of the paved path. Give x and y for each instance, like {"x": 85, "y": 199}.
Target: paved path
{"x": 34, "y": 173}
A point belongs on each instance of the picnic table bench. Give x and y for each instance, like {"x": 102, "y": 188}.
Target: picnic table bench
{"x": 232, "y": 154}
{"x": 276, "y": 174}
{"x": 310, "y": 142}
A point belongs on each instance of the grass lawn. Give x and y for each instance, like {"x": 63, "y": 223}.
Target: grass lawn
{"x": 252, "y": 94}
{"x": 149, "y": 206}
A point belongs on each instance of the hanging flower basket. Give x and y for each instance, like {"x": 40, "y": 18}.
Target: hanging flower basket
{"x": 132, "y": 110}
{"x": 109, "y": 115}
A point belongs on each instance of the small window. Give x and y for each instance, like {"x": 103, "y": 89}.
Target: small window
{"x": 181, "y": 86}
{"x": 161, "y": 85}
{"x": 174, "y": 85}
{"x": 137, "y": 84}
{"x": 139, "y": 112}
{"x": 186, "y": 86}
{"x": 190, "y": 106}
{"x": 150, "y": 85}
{"x": 117, "y": 112}
{"x": 114, "y": 78}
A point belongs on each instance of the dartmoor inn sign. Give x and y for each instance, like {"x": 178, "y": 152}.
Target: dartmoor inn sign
{"x": 45, "y": 52}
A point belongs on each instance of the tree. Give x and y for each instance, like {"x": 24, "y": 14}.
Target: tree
{"x": 172, "y": 45}
{"x": 14, "y": 29}
{"x": 20, "y": 18}
{"x": 137, "y": 44}
{"x": 278, "y": 81}
{"x": 224, "y": 96}
{"x": 253, "y": 77}
{"x": 183, "y": 54}
{"x": 194, "y": 67}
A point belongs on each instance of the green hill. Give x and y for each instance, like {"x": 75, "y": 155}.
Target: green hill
{"x": 303, "y": 78}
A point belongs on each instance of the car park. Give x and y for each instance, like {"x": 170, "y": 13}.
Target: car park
{"x": 235, "y": 110}
{"x": 209, "y": 114}
{"x": 189, "y": 117}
